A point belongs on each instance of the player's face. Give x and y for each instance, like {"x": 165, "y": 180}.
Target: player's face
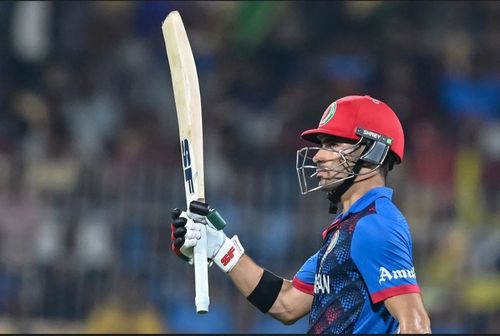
{"x": 332, "y": 161}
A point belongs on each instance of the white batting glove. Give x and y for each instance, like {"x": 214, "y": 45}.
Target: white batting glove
{"x": 186, "y": 232}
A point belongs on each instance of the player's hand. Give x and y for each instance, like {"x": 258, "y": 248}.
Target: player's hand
{"x": 186, "y": 232}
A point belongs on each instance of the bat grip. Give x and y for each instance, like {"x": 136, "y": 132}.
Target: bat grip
{"x": 202, "y": 300}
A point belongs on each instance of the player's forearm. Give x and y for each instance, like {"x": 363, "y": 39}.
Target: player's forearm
{"x": 289, "y": 304}
{"x": 409, "y": 310}
{"x": 416, "y": 324}
{"x": 246, "y": 275}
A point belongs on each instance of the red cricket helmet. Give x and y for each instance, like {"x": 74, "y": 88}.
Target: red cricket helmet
{"x": 353, "y": 117}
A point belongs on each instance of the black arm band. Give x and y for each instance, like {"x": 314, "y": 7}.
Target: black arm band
{"x": 266, "y": 292}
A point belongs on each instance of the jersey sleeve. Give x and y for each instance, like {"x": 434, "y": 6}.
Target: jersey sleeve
{"x": 381, "y": 249}
{"x": 304, "y": 278}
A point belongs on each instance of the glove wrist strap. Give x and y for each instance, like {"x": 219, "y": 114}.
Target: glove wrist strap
{"x": 229, "y": 254}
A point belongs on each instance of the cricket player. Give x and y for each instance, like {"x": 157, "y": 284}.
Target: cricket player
{"x": 362, "y": 279}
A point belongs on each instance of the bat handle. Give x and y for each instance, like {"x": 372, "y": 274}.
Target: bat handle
{"x": 202, "y": 300}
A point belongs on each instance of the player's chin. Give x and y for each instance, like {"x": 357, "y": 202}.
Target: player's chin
{"x": 328, "y": 184}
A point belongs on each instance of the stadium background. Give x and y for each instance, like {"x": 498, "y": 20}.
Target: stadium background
{"x": 90, "y": 164}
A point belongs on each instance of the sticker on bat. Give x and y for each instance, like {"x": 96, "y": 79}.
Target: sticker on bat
{"x": 186, "y": 161}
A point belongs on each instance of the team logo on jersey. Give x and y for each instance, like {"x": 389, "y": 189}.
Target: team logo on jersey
{"x": 328, "y": 114}
{"x": 386, "y": 275}
{"x": 333, "y": 242}
{"x": 330, "y": 247}
{"x": 322, "y": 281}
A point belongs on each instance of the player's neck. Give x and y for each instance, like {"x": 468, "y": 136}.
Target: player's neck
{"x": 358, "y": 189}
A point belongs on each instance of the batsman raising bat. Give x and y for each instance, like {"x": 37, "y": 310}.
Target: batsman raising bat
{"x": 362, "y": 278}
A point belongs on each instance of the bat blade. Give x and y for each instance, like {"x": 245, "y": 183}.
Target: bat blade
{"x": 189, "y": 117}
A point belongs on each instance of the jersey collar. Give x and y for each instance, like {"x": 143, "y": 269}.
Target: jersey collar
{"x": 360, "y": 205}
{"x": 367, "y": 199}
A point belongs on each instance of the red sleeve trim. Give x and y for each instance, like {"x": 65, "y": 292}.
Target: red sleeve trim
{"x": 393, "y": 291}
{"x": 303, "y": 286}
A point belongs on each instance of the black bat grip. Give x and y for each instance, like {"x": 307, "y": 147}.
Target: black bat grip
{"x": 199, "y": 208}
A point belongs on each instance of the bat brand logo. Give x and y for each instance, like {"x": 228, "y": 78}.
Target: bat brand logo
{"x": 186, "y": 161}
{"x": 227, "y": 257}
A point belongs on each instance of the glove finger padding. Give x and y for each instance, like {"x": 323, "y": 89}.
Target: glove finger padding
{"x": 199, "y": 208}
{"x": 198, "y": 211}
{"x": 178, "y": 241}
{"x": 179, "y": 222}
{"x": 186, "y": 232}
{"x": 193, "y": 233}
{"x": 176, "y": 212}
{"x": 202, "y": 213}
{"x": 179, "y": 232}
{"x": 180, "y": 228}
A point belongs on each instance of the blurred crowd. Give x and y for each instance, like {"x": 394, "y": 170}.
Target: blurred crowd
{"x": 90, "y": 164}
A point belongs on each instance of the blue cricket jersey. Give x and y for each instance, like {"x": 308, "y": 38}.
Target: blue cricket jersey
{"x": 366, "y": 258}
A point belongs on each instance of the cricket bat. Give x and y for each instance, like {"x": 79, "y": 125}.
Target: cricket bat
{"x": 188, "y": 106}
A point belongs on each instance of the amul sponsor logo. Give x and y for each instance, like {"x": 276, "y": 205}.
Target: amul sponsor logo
{"x": 387, "y": 275}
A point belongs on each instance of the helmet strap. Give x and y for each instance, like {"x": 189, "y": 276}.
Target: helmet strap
{"x": 334, "y": 195}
